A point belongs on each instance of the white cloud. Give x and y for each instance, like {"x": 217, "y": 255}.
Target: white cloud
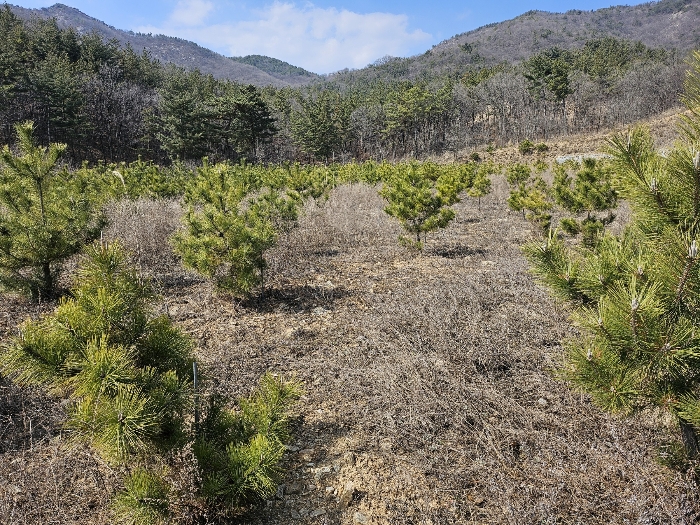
{"x": 318, "y": 39}
{"x": 190, "y": 13}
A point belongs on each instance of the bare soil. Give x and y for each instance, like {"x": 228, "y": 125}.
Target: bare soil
{"x": 431, "y": 394}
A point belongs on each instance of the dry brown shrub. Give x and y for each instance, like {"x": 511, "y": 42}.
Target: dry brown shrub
{"x": 144, "y": 226}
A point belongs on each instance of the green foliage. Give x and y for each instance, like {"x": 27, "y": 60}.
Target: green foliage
{"x": 636, "y": 297}
{"x": 58, "y": 89}
{"x": 608, "y": 57}
{"x": 128, "y": 377}
{"x": 199, "y": 116}
{"x": 126, "y": 371}
{"x": 589, "y": 191}
{"x": 239, "y": 451}
{"x": 46, "y": 215}
{"x": 319, "y": 125}
{"x": 412, "y": 114}
{"x": 480, "y": 184}
{"x": 540, "y": 166}
{"x": 419, "y": 195}
{"x": 526, "y": 147}
{"x": 529, "y": 195}
{"x": 144, "y": 500}
{"x": 232, "y": 219}
{"x": 547, "y": 73}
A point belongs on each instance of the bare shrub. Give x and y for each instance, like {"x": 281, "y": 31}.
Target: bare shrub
{"x": 144, "y": 227}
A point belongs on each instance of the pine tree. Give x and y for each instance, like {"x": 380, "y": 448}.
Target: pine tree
{"x": 232, "y": 219}
{"x": 320, "y": 124}
{"x": 182, "y": 123}
{"x": 46, "y": 215}
{"x": 636, "y": 297}
{"x": 128, "y": 376}
{"x": 420, "y": 196}
{"x": 481, "y": 183}
{"x": 529, "y": 195}
{"x": 589, "y": 191}
{"x": 127, "y": 371}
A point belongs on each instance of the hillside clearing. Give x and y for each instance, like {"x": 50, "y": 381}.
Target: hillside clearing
{"x": 429, "y": 389}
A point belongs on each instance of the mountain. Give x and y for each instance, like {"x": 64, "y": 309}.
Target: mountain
{"x": 668, "y": 24}
{"x": 178, "y": 51}
{"x": 275, "y": 67}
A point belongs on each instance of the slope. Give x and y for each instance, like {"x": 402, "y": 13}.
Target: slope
{"x": 166, "y": 49}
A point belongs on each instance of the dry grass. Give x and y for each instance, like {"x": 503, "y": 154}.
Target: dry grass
{"x": 663, "y": 130}
{"x": 429, "y": 383}
{"x": 144, "y": 227}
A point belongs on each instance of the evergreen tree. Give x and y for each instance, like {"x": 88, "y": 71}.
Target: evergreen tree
{"x": 589, "y": 191}
{"x": 636, "y": 298}
{"x": 56, "y": 85}
{"x": 127, "y": 372}
{"x": 419, "y": 196}
{"x": 241, "y": 120}
{"x": 46, "y": 215}
{"x": 529, "y": 195}
{"x": 129, "y": 378}
{"x": 547, "y": 73}
{"x": 232, "y": 219}
{"x": 481, "y": 183}
{"x": 182, "y": 124}
{"x": 13, "y": 43}
{"x": 319, "y": 125}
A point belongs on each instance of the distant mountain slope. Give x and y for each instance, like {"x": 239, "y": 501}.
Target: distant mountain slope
{"x": 276, "y": 68}
{"x": 668, "y": 24}
{"x": 168, "y": 49}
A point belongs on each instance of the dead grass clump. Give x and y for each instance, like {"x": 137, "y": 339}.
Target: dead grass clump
{"x": 53, "y": 483}
{"x": 144, "y": 227}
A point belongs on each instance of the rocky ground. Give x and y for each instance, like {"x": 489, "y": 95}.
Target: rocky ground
{"x": 430, "y": 389}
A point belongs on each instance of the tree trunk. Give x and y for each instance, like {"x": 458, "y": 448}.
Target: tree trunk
{"x": 690, "y": 439}
{"x": 46, "y": 288}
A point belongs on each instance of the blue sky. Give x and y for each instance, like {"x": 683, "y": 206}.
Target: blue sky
{"x": 322, "y": 36}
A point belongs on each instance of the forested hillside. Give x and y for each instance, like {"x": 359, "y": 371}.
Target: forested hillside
{"x": 166, "y": 49}
{"x": 668, "y": 24}
{"x": 110, "y": 102}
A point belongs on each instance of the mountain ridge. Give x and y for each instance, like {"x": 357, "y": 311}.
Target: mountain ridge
{"x": 164, "y": 48}
{"x": 669, "y": 24}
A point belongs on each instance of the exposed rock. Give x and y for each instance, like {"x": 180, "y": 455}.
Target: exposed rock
{"x": 347, "y": 494}
{"x": 293, "y": 488}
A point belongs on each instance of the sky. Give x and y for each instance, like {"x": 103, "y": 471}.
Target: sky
{"x": 322, "y": 36}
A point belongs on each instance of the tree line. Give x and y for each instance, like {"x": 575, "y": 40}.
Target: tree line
{"x": 113, "y": 104}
